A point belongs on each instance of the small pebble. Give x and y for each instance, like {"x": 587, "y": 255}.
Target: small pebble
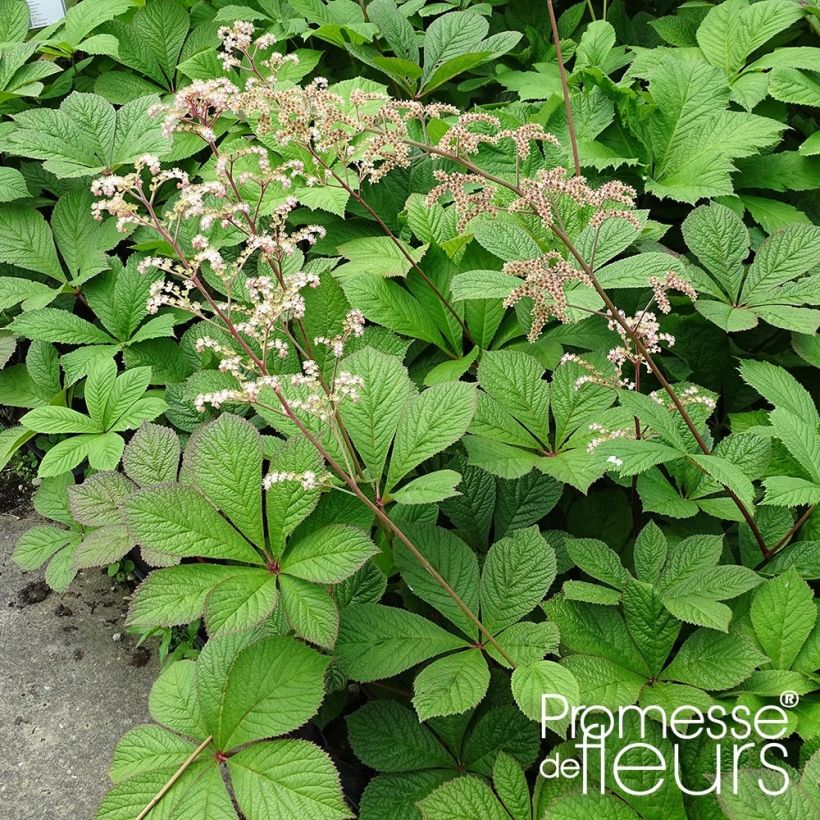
{"x": 117, "y": 636}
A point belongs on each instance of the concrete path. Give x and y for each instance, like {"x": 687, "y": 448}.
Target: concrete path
{"x": 68, "y": 690}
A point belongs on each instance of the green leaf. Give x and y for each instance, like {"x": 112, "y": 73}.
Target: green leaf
{"x": 58, "y": 420}
{"x": 779, "y": 388}
{"x": 449, "y": 36}
{"x": 590, "y": 593}
{"x": 525, "y": 642}
{"x": 396, "y": 795}
{"x": 599, "y": 561}
{"x": 39, "y": 543}
{"x": 96, "y": 502}
{"x": 483, "y": 284}
{"x": 388, "y": 737}
{"x": 152, "y": 40}
{"x": 174, "y": 700}
{"x": 86, "y": 135}
{"x": 310, "y": 610}
{"x": 431, "y": 422}
{"x": 378, "y": 642}
{"x": 372, "y": 421}
{"x": 26, "y": 241}
{"x": 464, "y": 798}
{"x": 54, "y": 325}
{"x": 241, "y": 601}
{"x": 377, "y": 256}
{"x": 12, "y": 184}
{"x": 523, "y": 501}
{"x": 515, "y": 381}
{"x": 287, "y": 778}
{"x": 225, "y": 461}
{"x": 451, "y": 685}
{"x": 175, "y": 595}
{"x": 531, "y": 683}
{"x": 287, "y": 503}
{"x": 603, "y": 681}
{"x": 650, "y": 553}
{"x": 692, "y": 136}
{"x": 516, "y": 575}
{"x": 596, "y": 42}
{"x": 731, "y": 31}
{"x": 82, "y": 240}
{"x": 783, "y": 615}
{"x": 713, "y": 661}
{"x": 789, "y": 253}
{"x": 180, "y": 522}
{"x": 719, "y": 583}
{"x": 596, "y": 630}
{"x": 453, "y": 560}
{"x": 429, "y": 488}
{"x": 387, "y": 303}
{"x": 152, "y": 455}
{"x": 511, "y": 786}
{"x": 688, "y": 556}
{"x": 700, "y": 610}
{"x": 199, "y": 790}
{"x": 790, "y": 491}
{"x": 84, "y": 17}
{"x": 14, "y": 21}
{"x": 145, "y": 749}
{"x": 272, "y": 687}
{"x": 102, "y": 450}
{"x": 718, "y": 237}
{"x": 328, "y": 555}
{"x": 728, "y": 474}
{"x": 651, "y": 627}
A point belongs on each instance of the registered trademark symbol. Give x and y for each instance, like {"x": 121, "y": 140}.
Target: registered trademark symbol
{"x": 789, "y": 699}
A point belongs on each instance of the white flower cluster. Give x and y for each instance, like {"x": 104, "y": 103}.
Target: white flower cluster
{"x": 308, "y": 479}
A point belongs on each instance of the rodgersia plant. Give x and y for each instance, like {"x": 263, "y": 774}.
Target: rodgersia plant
{"x": 440, "y": 426}
{"x": 356, "y": 438}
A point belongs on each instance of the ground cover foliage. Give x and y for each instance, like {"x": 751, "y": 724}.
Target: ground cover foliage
{"x": 434, "y": 356}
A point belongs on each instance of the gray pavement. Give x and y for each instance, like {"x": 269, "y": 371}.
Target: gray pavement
{"x": 68, "y": 690}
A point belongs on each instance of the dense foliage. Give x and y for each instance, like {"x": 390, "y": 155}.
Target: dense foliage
{"x": 435, "y": 356}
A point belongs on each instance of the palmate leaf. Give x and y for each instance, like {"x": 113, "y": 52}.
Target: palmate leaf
{"x": 86, "y": 135}
{"x": 775, "y": 287}
{"x": 732, "y": 30}
{"x": 240, "y": 690}
{"x": 152, "y": 40}
{"x": 693, "y": 137}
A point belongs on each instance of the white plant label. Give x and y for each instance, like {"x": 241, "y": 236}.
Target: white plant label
{"x": 45, "y": 12}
